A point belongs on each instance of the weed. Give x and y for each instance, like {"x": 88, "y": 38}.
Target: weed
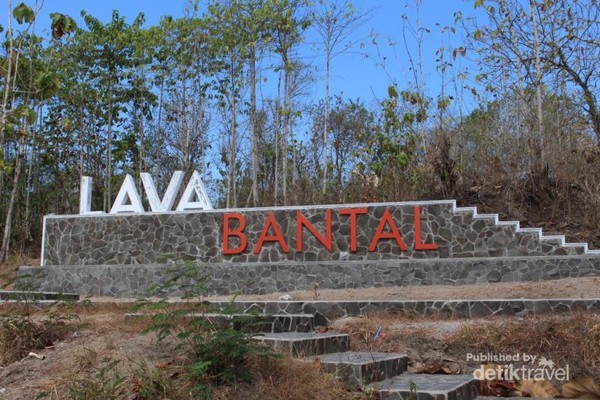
{"x": 22, "y": 331}
{"x": 106, "y": 384}
{"x": 217, "y": 352}
{"x": 316, "y": 293}
{"x": 413, "y": 391}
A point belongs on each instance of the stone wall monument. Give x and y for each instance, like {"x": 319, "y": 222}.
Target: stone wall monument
{"x": 280, "y": 249}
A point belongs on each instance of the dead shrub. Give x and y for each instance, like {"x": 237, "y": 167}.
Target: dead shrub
{"x": 283, "y": 378}
{"x": 20, "y": 334}
{"x": 572, "y": 339}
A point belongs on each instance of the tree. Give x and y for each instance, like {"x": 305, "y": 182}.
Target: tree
{"x": 540, "y": 42}
{"x": 108, "y": 62}
{"x": 182, "y": 74}
{"x": 27, "y": 82}
{"x": 289, "y": 24}
{"x": 334, "y": 23}
{"x": 351, "y": 125}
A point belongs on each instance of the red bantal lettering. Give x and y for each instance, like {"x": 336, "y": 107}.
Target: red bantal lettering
{"x": 237, "y": 232}
{"x": 353, "y": 213}
{"x": 276, "y": 237}
{"x": 302, "y": 222}
{"x": 393, "y": 232}
{"x": 419, "y": 245}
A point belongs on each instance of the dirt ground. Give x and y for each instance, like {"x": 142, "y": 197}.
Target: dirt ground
{"x": 102, "y": 335}
{"x": 564, "y": 288}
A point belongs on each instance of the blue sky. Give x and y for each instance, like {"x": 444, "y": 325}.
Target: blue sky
{"x": 358, "y": 74}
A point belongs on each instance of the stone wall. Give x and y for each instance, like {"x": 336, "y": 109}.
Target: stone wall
{"x": 257, "y": 251}
{"x": 198, "y": 236}
{"x": 326, "y": 311}
{"x": 261, "y": 278}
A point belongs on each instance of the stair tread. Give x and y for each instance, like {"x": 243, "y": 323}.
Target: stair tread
{"x": 430, "y": 383}
{"x": 359, "y": 357}
{"x": 236, "y": 315}
{"x": 292, "y": 336}
{"x": 255, "y": 315}
{"x": 16, "y": 294}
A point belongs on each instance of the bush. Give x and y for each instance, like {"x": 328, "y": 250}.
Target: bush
{"x": 22, "y": 332}
{"x": 217, "y": 352}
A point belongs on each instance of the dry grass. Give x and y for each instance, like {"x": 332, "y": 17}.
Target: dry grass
{"x": 568, "y": 339}
{"x": 20, "y": 335}
{"x": 138, "y": 367}
{"x": 397, "y": 332}
{"x": 111, "y": 374}
{"x": 283, "y": 378}
{"x": 572, "y": 339}
{"x": 9, "y": 268}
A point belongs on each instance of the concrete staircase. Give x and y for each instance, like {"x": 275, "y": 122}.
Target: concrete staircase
{"x": 303, "y": 335}
{"x": 383, "y": 374}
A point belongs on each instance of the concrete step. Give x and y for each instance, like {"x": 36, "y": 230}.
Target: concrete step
{"x": 329, "y": 310}
{"x": 25, "y": 295}
{"x": 303, "y": 344}
{"x": 251, "y": 323}
{"x": 427, "y": 387}
{"x": 35, "y": 304}
{"x": 275, "y": 323}
{"x": 356, "y": 369}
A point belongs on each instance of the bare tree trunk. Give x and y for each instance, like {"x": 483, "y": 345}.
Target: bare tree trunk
{"x": 253, "y": 126}
{"x": 140, "y": 166}
{"x": 326, "y": 121}
{"x": 286, "y": 131}
{"x": 276, "y": 140}
{"x": 13, "y": 199}
{"x": 232, "y": 176}
{"x": 7, "y": 89}
{"x": 108, "y": 193}
{"x": 28, "y": 187}
{"x": 539, "y": 161}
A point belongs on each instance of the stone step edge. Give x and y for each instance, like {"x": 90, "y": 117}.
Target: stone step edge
{"x": 469, "y": 386}
{"x": 289, "y": 336}
{"x": 388, "y": 355}
{"x": 462, "y": 308}
{"x": 305, "y": 344}
{"x": 31, "y": 303}
{"x": 224, "y": 315}
{"x": 517, "y": 226}
{"x": 36, "y": 295}
{"x": 366, "y": 368}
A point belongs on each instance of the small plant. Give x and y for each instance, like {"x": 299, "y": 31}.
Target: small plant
{"x": 105, "y": 384}
{"x": 316, "y": 293}
{"x": 23, "y": 331}
{"x": 413, "y": 391}
{"x": 217, "y": 353}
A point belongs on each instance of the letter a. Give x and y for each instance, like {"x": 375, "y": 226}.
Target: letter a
{"x": 194, "y": 186}
{"x": 127, "y": 190}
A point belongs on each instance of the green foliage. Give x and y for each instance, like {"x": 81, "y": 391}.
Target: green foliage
{"x": 107, "y": 384}
{"x": 62, "y": 25}
{"x": 217, "y": 352}
{"x": 23, "y": 14}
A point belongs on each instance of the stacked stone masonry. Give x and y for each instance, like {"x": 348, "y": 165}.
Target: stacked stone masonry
{"x": 122, "y": 255}
{"x": 224, "y": 279}
{"x": 156, "y": 238}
